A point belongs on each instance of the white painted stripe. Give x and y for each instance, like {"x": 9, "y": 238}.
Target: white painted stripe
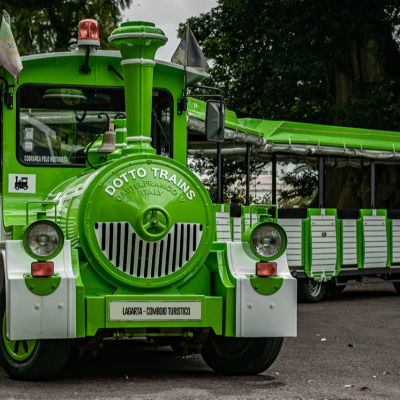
{"x": 221, "y": 235}
{"x": 316, "y": 217}
{"x": 375, "y": 234}
{"x": 293, "y": 258}
{"x": 319, "y": 234}
{"x": 137, "y": 35}
{"x": 322, "y": 223}
{"x": 294, "y": 235}
{"x": 375, "y": 259}
{"x": 323, "y": 245}
{"x": 323, "y": 240}
{"x": 374, "y": 243}
{"x": 223, "y": 228}
{"x": 349, "y": 235}
{"x": 222, "y": 215}
{"x": 349, "y": 222}
{"x": 323, "y": 228}
{"x": 331, "y": 257}
{"x": 292, "y": 251}
{"x": 292, "y": 228}
{"x": 289, "y": 222}
{"x": 375, "y": 265}
{"x": 328, "y": 252}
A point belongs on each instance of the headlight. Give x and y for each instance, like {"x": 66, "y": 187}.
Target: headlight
{"x": 266, "y": 240}
{"x": 42, "y": 240}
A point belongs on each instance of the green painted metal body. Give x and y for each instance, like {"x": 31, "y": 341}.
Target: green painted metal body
{"x": 266, "y": 285}
{"x": 42, "y": 286}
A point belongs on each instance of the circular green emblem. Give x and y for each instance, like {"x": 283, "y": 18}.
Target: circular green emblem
{"x": 154, "y": 223}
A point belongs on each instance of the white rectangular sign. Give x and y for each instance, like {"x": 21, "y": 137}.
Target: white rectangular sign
{"x": 21, "y": 183}
{"x": 155, "y": 311}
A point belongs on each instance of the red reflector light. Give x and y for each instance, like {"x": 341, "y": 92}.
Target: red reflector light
{"x": 42, "y": 269}
{"x": 266, "y": 269}
{"x": 88, "y": 33}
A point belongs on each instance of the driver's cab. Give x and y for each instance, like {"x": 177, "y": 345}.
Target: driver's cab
{"x": 54, "y": 117}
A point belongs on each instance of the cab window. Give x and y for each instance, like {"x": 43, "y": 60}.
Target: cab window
{"x": 56, "y": 123}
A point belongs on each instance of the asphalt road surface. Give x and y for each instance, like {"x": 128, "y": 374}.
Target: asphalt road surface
{"x": 309, "y": 367}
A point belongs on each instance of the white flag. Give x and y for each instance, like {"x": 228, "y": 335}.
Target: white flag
{"x": 9, "y": 56}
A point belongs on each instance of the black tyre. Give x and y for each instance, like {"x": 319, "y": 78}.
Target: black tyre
{"x": 309, "y": 290}
{"x": 31, "y": 359}
{"x": 331, "y": 288}
{"x": 240, "y": 356}
{"x": 397, "y": 286}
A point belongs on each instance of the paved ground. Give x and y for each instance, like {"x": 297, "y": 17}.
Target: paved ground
{"x": 367, "y": 317}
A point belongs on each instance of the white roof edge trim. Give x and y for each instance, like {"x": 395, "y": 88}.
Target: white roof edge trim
{"x": 109, "y": 53}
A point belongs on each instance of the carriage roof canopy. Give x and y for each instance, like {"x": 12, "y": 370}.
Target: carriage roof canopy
{"x": 293, "y": 141}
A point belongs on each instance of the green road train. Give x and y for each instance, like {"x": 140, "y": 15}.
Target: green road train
{"x": 106, "y": 232}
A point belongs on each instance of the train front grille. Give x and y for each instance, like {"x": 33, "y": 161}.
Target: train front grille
{"x": 125, "y": 249}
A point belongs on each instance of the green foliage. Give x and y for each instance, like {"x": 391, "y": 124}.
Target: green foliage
{"x": 233, "y": 172}
{"x": 303, "y": 182}
{"x": 55, "y": 27}
{"x": 327, "y": 62}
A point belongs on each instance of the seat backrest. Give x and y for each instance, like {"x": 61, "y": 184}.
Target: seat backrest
{"x": 375, "y": 240}
{"x": 223, "y": 231}
{"x": 293, "y": 229}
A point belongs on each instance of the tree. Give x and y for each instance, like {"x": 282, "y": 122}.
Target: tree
{"x": 325, "y": 62}
{"x": 52, "y": 25}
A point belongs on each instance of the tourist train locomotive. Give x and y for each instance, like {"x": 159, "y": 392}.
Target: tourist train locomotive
{"x": 112, "y": 235}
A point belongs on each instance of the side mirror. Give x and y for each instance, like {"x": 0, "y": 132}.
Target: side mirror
{"x": 215, "y": 121}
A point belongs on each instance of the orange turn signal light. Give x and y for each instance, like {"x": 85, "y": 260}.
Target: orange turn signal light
{"x": 42, "y": 269}
{"x": 266, "y": 269}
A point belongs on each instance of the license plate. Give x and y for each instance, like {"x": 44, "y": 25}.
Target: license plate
{"x": 155, "y": 311}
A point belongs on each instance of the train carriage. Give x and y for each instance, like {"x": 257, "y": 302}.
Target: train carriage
{"x": 107, "y": 234}
{"x": 331, "y": 244}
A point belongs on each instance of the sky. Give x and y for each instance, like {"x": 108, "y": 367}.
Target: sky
{"x": 166, "y": 15}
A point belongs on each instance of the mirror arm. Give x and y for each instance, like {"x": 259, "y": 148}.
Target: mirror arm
{"x": 182, "y": 103}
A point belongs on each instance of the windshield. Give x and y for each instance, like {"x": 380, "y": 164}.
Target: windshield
{"x": 56, "y": 124}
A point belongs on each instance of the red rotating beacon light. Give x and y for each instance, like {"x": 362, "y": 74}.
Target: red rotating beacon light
{"x": 88, "y": 33}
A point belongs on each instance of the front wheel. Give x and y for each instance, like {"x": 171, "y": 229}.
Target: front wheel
{"x": 240, "y": 356}
{"x": 31, "y": 359}
{"x": 310, "y": 290}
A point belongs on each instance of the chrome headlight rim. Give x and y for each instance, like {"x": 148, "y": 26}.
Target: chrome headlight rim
{"x": 27, "y": 229}
{"x": 251, "y": 231}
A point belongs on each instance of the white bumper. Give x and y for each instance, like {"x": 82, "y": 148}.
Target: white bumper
{"x": 259, "y": 315}
{"x": 38, "y": 317}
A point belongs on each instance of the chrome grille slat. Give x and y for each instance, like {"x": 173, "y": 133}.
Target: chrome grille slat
{"x": 148, "y": 260}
